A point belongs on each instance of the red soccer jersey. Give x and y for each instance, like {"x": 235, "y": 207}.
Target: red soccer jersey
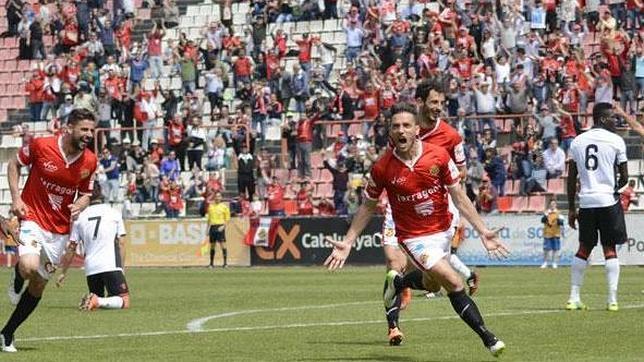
{"x": 416, "y": 190}
{"x": 53, "y": 182}
{"x": 275, "y": 195}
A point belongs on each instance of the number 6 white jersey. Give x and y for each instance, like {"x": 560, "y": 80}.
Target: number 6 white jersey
{"x": 596, "y": 153}
{"x": 97, "y": 227}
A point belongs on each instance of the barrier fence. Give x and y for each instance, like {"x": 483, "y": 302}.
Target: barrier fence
{"x": 301, "y": 241}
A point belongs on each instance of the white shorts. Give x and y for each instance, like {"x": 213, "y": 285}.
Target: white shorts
{"x": 389, "y": 227}
{"x": 49, "y": 246}
{"x": 426, "y": 251}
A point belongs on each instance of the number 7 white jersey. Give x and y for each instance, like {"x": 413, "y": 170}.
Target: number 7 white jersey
{"x": 597, "y": 152}
{"x": 98, "y": 227}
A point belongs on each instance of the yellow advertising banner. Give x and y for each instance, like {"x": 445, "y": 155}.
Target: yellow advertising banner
{"x": 182, "y": 242}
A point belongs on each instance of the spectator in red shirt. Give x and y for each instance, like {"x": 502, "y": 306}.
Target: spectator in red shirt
{"x": 275, "y": 198}
{"x": 305, "y": 143}
{"x": 243, "y": 68}
{"x": 175, "y": 201}
{"x": 154, "y": 49}
{"x": 304, "y": 46}
{"x": 304, "y": 199}
{"x": 628, "y": 196}
{"x": 156, "y": 152}
{"x": 176, "y": 139}
{"x": 35, "y": 87}
{"x": 486, "y": 198}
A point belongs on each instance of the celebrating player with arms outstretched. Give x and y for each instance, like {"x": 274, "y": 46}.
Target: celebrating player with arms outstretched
{"x": 101, "y": 230}
{"x": 418, "y": 177}
{"x": 595, "y": 154}
{"x": 430, "y": 98}
{"x": 61, "y": 168}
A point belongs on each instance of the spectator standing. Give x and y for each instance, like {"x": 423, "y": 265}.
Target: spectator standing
{"x": 289, "y": 132}
{"x": 175, "y": 200}
{"x": 355, "y": 35}
{"x": 246, "y": 173}
{"x": 304, "y": 198}
{"x": 496, "y": 170}
{"x": 486, "y": 198}
{"x": 554, "y": 159}
{"x": 170, "y": 166}
{"x": 275, "y": 198}
{"x": 35, "y": 87}
{"x": 305, "y": 143}
{"x": 155, "y": 51}
{"x": 176, "y": 139}
{"x": 196, "y": 143}
{"x": 340, "y": 184}
{"x": 552, "y": 222}
{"x": 112, "y": 172}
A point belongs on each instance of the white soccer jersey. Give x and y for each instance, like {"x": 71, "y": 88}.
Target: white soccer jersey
{"x": 596, "y": 153}
{"x": 97, "y": 228}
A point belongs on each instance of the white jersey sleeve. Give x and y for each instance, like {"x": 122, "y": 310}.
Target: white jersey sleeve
{"x": 596, "y": 153}
{"x": 99, "y": 227}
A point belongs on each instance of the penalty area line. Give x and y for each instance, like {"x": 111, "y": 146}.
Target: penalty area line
{"x": 293, "y": 325}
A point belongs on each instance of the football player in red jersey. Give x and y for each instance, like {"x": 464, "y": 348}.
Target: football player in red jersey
{"x": 61, "y": 167}
{"x": 418, "y": 177}
{"x": 434, "y": 130}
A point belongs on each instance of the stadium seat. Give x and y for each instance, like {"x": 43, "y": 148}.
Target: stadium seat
{"x": 504, "y": 203}
{"x": 556, "y": 186}
{"x": 289, "y": 193}
{"x": 634, "y": 167}
{"x": 537, "y": 203}
{"x": 323, "y": 190}
{"x": 315, "y": 175}
{"x": 326, "y": 175}
{"x": 316, "y": 160}
{"x": 519, "y": 203}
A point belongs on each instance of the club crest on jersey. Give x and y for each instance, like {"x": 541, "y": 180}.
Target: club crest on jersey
{"x": 423, "y": 258}
{"x": 49, "y": 166}
{"x": 434, "y": 170}
{"x": 84, "y": 173}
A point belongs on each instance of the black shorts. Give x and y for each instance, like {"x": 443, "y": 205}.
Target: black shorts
{"x": 608, "y": 221}
{"x": 112, "y": 281}
{"x": 217, "y": 236}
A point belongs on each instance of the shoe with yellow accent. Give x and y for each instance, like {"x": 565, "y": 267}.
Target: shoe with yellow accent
{"x": 89, "y": 302}
{"x": 576, "y": 306}
{"x": 405, "y": 298}
{"x": 395, "y": 337}
{"x": 612, "y": 307}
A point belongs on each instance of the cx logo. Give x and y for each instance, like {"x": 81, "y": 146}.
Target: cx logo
{"x": 287, "y": 245}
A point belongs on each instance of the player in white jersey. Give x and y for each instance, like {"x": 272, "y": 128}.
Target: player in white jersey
{"x": 101, "y": 231}
{"x": 595, "y": 154}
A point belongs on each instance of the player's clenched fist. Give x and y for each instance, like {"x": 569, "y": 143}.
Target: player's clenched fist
{"x": 19, "y": 208}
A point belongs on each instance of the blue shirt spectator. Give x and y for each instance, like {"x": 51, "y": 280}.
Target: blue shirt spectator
{"x": 170, "y": 166}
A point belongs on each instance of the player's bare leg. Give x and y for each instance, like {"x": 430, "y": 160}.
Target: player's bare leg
{"x": 463, "y": 305}
{"x": 29, "y": 300}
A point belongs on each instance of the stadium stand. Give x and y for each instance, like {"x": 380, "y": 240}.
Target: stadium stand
{"x": 191, "y": 60}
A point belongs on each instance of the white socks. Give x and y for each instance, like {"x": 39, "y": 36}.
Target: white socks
{"x": 612, "y": 279}
{"x": 110, "y": 302}
{"x": 459, "y": 266}
{"x": 577, "y": 269}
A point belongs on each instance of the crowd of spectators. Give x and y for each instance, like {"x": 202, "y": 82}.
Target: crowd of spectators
{"x": 494, "y": 57}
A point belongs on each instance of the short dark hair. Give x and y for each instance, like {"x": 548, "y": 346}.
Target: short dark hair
{"x": 80, "y": 114}
{"x": 403, "y": 108}
{"x": 602, "y": 110}
{"x": 425, "y": 87}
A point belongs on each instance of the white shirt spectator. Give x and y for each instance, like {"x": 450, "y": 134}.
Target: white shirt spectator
{"x": 354, "y": 36}
{"x": 554, "y": 160}
{"x": 485, "y": 102}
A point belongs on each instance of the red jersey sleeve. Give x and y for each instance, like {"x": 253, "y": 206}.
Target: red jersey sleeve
{"x": 374, "y": 186}
{"x": 449, "y": 172}
{"x": 87, "y": 184}
{"x": 24, "y": 154}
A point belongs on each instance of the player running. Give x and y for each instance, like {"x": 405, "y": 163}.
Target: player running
{"x": 418, "y": 177}
{"x": 101, "y": 231}
{"x": 58, "y": 188}
{"x": 430, "y": 98}
{"x": 596, "y": 153}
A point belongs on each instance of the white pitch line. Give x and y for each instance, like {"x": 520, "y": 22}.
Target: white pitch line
{"x": 293, "y": 325}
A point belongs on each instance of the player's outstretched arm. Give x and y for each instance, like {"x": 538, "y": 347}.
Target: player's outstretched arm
{"x": 572, "y": 192}
{"x": 632, "y": 122}
{"x": 467, "y": 209}
{"x": 341, "y": 249}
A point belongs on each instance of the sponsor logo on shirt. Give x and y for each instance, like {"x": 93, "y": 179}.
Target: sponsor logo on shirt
{"x": 420, "y": 195}
{"x": 399, "y": 180}
{"x": 49, "y": 166}
{"x": 425, "y": 208}
{"x": 50, "y": 186}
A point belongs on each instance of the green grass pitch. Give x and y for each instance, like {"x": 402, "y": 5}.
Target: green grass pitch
{"x": 309, "y": 314}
